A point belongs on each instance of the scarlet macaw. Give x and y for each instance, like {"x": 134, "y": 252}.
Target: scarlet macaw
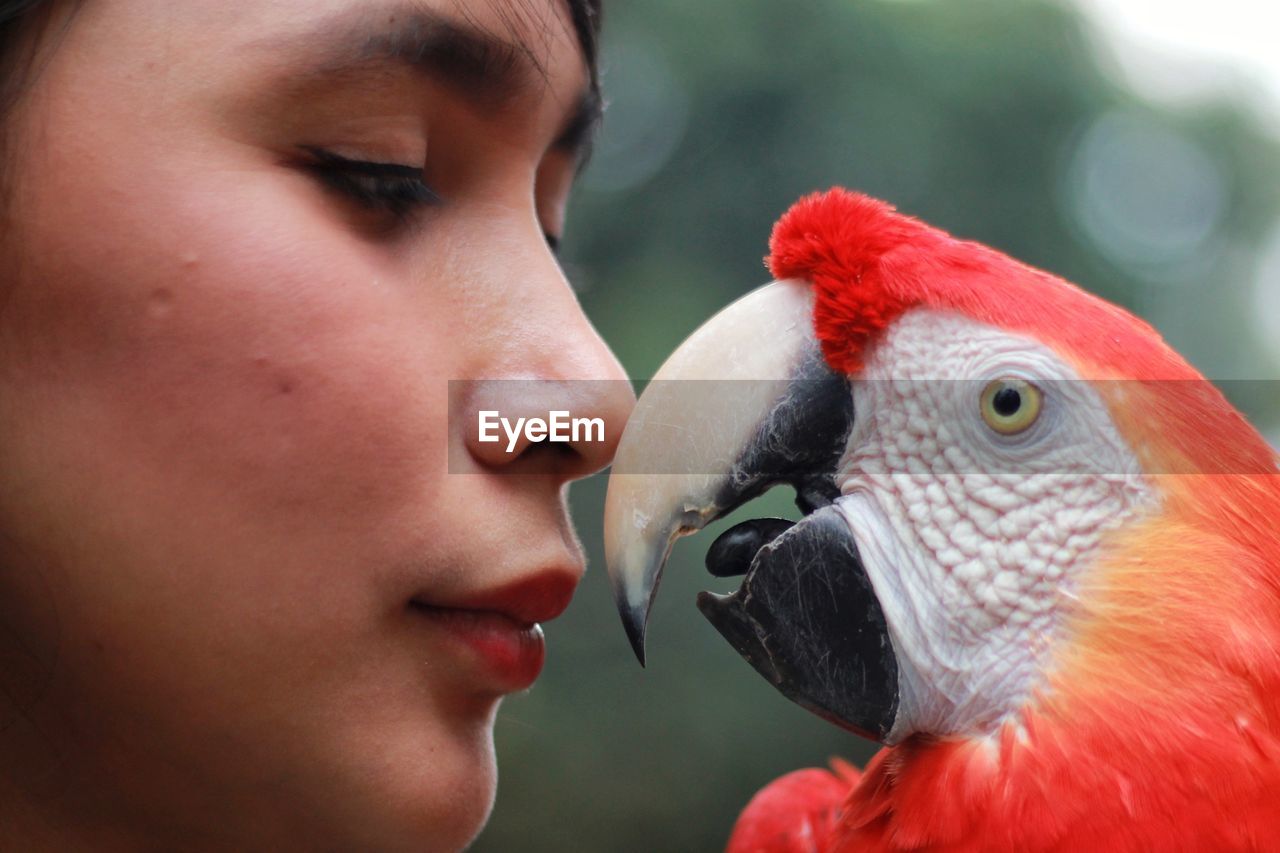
{"x": 1039, "y": 561}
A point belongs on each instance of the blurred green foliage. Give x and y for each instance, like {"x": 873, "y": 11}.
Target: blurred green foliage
{"x": 990, "y": 118}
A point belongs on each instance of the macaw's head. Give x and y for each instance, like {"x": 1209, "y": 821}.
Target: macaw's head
{"x": 1014, "y": 493}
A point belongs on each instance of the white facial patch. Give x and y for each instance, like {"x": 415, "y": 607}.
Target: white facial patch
{"x": 973, "y": 538}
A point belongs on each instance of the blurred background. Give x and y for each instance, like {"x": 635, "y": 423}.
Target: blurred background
{"x": 1131, "y": 146}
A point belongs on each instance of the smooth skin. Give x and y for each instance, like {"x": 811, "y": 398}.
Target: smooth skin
{"x": 230, "y": 452}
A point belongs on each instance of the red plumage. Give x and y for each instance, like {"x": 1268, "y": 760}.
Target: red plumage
{"x": 796, "y": 813}
{"x": 1159, "y": 728}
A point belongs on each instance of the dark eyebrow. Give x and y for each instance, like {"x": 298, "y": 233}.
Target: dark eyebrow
{"x": 454, "y": 52}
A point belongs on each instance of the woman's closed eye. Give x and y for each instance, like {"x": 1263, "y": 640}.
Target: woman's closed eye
{"x": 393, "y": 188}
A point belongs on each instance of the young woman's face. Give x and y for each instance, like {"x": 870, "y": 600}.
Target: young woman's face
{"x": 259, "y": 583}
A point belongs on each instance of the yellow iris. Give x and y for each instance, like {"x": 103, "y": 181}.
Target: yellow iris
{"x": 1009, "y": 405}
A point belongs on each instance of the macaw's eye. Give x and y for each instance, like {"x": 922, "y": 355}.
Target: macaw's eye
{"x": 1010, "y": 406}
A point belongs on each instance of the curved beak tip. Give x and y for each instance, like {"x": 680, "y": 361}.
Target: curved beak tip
{"x": 633, "y": 596}
{"x": 633, "y": 620}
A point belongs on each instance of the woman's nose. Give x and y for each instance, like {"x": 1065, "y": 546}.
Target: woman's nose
{"x": 554, "y": 399}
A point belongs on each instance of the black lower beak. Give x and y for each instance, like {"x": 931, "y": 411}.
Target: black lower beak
{"x": 807, "y": 618}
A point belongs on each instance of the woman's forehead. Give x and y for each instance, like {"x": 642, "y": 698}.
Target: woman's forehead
{"x": 514, "y": 35}
{"x": 497, "y": 54}
{"x": 508, "y": 32}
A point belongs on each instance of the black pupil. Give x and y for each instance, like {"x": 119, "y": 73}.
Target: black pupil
{"x": 1007, "y": 401}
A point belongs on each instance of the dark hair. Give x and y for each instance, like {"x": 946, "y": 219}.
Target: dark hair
{"x": 19, "y": 21}
{"x": 21, "y": 24}
{"x": 17, "y": 18}
{"x": 586, "y": 23}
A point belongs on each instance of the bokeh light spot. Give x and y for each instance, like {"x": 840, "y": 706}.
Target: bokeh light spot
{"x": 1144, "y": 194}
{"x": 645, "y": 121}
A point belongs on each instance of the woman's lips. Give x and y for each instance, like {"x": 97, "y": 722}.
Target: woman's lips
{"x": 510, "y": 652}
{"x": 499, "y": 626}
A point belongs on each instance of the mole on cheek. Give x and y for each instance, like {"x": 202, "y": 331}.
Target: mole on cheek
{"x": 281, "y": 384}
{"x": 160, "y": 303}
{"x": 160, "y": 300}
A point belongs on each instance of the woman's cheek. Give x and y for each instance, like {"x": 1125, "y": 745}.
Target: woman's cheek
{"x": 289, "y": 373}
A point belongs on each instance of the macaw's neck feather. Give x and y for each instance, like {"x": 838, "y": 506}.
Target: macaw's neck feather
{"x": 1040, "y": 792}
{"x": 1158, "y": 729}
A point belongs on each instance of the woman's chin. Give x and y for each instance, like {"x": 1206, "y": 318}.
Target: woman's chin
{"x": 469, "y": 797}
{"x": 460, "y": 785}
{"x": 428, "y": 791}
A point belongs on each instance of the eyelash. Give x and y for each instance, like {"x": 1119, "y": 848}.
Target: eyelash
{"x": 389, "y": 187}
